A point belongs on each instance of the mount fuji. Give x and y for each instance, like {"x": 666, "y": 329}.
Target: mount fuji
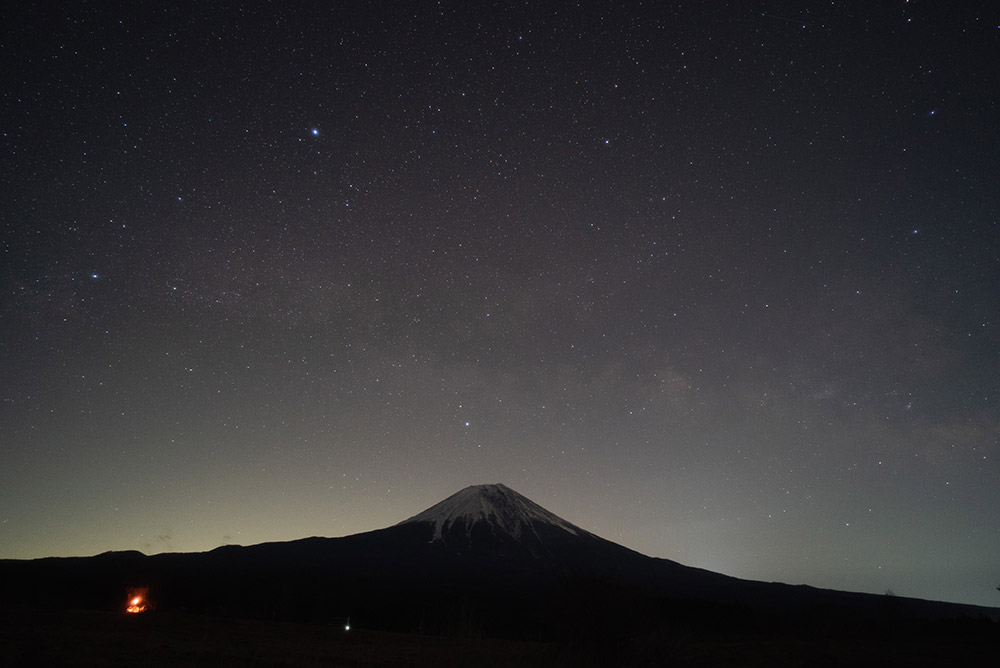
{"x": 508, "y": 514}
{"x": 486, "y": 556}
{"x": 494, "y": 521}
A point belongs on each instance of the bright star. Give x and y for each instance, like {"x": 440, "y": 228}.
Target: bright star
{"x": 315, "y": 132}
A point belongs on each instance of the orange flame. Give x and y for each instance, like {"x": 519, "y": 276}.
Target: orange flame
{"x": 137, "y": 602}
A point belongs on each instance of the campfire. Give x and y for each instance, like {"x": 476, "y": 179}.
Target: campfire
{"x": 137, "y": 601}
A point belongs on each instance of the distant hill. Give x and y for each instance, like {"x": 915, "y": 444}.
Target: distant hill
{"x": 484, "y": 560}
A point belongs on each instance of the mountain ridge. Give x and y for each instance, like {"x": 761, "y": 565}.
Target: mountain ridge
{"x": 494, "y": 502}
{"x": 493, "y": 518}
{"x": 485, "y": 551}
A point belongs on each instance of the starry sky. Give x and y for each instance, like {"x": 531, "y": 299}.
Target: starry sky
{"x": 714, "y": 280}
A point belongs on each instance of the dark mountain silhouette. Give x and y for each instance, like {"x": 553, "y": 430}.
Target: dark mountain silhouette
{"x": 492, "y": 519}
{"x": 494, "y": 527}
{"x": 485, "y": 559}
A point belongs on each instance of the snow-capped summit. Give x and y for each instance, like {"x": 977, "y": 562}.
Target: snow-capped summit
{"x": 497, "y": 505}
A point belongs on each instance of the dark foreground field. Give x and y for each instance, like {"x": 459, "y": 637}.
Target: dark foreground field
{"x": 54, "y": 639}
{"x": 107, "y": 639}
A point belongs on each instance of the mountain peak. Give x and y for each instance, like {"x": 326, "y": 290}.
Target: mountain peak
{"x": 504, "y": 511}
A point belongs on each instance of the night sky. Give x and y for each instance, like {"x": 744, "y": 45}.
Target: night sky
{"x": 717, "y": 281}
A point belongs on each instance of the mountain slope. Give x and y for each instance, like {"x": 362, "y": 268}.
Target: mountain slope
{"x": 485, "y": 554}
{"x": 505, "y": 510}
{"x": 493, "y": 522}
